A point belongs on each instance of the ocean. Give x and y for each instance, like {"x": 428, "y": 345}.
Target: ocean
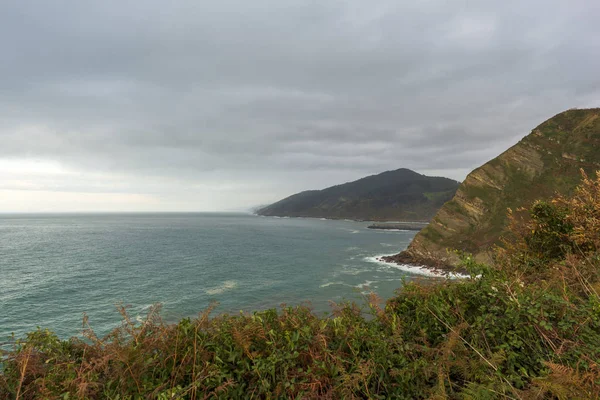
{"x": 54, "y": 268}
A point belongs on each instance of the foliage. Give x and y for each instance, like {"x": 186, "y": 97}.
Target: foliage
{"x": 526, "y": 327}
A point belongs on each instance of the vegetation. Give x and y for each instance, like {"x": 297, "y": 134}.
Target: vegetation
{"x": 543, "y": 163}
{"x": 526, "y": 327}
{"x": 393, "y": 195}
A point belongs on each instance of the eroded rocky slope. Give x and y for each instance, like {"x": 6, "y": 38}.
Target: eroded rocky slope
{"x": 546, "y": 161}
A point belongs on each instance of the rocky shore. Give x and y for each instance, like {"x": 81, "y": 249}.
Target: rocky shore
{"x": 407, "y": 259}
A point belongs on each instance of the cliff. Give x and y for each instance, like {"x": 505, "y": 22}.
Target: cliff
{"x": 543, "y": 163}
{"x": 393, "y": 195}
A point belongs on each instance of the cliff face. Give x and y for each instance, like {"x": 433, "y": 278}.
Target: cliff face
{"x": 393, "y": 195}
{"x": 545, "y": 162}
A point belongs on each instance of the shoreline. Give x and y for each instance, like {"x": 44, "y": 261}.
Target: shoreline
{"x": 416, "y": 269}
{"x": 422, "y": 224}
{"x": 401, "y": 260}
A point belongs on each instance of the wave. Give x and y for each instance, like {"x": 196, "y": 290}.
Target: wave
{"x": 225, "y": 286}
{"x": 366, "y": 287}
{"x": 416, "y": 270}
{"x": 352, "y": 270}
{"x": 333, "y": 283}
{"x": 366, "y": 284}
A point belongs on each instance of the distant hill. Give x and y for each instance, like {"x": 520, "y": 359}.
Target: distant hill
{"x": 546, "y": 161}
{"x": 393, "y": 195}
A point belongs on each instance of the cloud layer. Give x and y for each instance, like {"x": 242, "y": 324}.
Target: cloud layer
{"x": 147, "y": 105}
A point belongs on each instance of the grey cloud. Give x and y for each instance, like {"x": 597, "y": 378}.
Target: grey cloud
{"x": 253, "y": 93}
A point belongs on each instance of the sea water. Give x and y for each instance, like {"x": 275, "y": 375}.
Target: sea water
{"x": 54, "y": 268}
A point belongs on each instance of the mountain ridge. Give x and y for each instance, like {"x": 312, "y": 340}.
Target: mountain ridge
{"x": 391, "y": 195}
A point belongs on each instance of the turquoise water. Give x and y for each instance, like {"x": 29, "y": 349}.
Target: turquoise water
{"x": 53, "y": 268}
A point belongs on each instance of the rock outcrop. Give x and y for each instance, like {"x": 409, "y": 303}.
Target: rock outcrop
{"x": 543, "y": 163}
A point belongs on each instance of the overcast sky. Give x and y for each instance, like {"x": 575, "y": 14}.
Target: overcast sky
{"x": 227, "y": 104}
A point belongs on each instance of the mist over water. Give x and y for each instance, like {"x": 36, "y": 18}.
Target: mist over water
{"x": 53, "y": 268}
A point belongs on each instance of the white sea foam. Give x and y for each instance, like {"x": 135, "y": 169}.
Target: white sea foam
{"x": 332, "y": 283}
{"x": 365, "y": 284}
{"x": 366, "y": 287}
{"x": 417, "y": 270}
{"x": 225, "y": 286}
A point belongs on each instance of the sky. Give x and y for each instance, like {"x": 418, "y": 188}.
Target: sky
{"x": 148, "y": 105}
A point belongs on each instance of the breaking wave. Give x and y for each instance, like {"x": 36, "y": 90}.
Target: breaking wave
{"x": 416, "y": 270}
{"x": 225, "y": 286}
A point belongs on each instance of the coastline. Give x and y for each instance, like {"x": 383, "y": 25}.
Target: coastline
{"x": 405, "y": 257}
{"x": 403, "y": 260}
{"x": 418, "y": 269}
{"x": 416, "y": 225}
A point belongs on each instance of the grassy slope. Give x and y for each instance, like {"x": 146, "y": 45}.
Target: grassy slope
{"x": 571, "y": 133}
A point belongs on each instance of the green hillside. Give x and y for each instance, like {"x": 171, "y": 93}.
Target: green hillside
{"x": 393, "y": 195}
{"x": 543, "y": 163}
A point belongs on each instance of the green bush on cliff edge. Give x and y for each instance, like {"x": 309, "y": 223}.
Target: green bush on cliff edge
{"x": 526, "y": 327}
